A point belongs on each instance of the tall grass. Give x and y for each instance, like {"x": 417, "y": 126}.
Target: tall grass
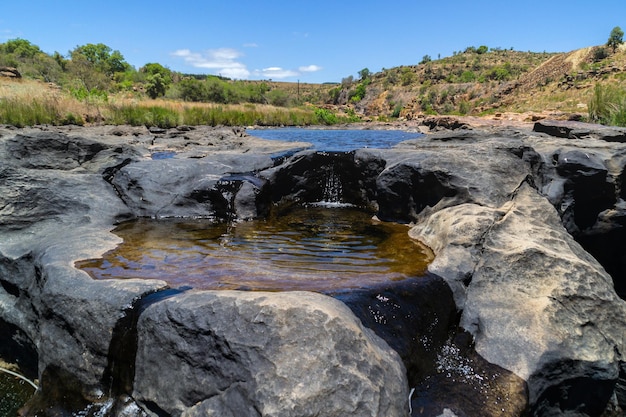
{"x": 608, "y": 105}
{"x": 20, "y": 114}
{"x": 28, "y": 105}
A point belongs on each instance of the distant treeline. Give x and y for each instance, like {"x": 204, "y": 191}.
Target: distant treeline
{"x": 96, "y": 71}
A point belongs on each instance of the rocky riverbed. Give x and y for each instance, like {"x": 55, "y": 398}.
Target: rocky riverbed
{"x": 515, "y": 316}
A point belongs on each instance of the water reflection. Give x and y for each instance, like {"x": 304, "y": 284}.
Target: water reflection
{"x": 312, "y": 248}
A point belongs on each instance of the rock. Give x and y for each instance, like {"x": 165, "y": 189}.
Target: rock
{"x": 533, "y": 298}
{"x": 444, "y": 122}
{"x": 10, "y": 72}
{"x": 583, "y": 180}
{"x": 415, "y": 317}
{"x": 421, "y": 177}
{"x": 254, "y": 353}
{"x": 183, "y": 187}
{"x": 580, "y": 130}
{"x": 536, "y": 315}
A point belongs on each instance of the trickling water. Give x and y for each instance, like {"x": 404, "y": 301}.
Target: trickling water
{"x": 309, "y": 249}
{"x": 14, "y": 392}
{"x": 333, "y": 192}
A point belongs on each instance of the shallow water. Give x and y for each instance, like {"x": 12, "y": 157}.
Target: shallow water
{"x": 337, "y": 140}
{"x": 14, "y": 393}
{"x": 313, "y": 248}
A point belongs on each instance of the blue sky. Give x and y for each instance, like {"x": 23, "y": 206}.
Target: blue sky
{"x": 311, "y": 41}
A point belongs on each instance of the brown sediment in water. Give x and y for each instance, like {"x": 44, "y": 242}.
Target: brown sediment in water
{"x": 314, "y": 248}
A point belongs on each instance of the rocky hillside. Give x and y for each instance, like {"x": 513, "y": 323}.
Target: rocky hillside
{"x": 479, "y": 82}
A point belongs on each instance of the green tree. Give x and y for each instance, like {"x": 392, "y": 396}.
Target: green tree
{"x": 616, "y": 38}
{"x": 154, "y": 68}
{"x": 482, "y": 49}
{"x": 21, "y": 48}
{"x": 426, "y": 59}
{"x": 85, "y": 75}
{"x": 191, "y": 90}
{"x": 365, "y": 74}
{"x": 102, "y": 57}
{"x": 155, "y": 85}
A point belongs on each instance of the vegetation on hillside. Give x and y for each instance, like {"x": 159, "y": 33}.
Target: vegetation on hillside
{"x": 94, "y": 84}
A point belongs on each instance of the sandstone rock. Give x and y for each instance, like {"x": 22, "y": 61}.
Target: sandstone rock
{"x": 265, "y": 354}
{"x": 580, "y": 130}
{"x": 10, "y": 72}
{"x": 534, "y": 297}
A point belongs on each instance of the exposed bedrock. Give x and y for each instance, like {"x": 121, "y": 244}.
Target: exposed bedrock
{"x": 515, "y": 318}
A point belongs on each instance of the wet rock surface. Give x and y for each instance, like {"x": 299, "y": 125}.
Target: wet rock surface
{"x": 517, "y": 317}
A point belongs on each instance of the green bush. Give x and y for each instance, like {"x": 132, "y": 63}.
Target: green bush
{"x": 95, "y": 94}
{"x": 325, "y": 116}
{"x": 599, "y": 53}
{"x": 358, "y": 93}
{"x": 468, "y": 77}
{"x": 397, "y": 109}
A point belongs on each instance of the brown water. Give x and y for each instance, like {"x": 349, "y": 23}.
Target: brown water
{"x": 14, "y": 393}
{"x": 314, "y": 248}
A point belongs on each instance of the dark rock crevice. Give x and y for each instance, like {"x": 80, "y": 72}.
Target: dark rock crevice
{"x": 119, "y": 374}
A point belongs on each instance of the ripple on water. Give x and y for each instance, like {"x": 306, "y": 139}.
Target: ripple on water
{"x": 313, "y": 248}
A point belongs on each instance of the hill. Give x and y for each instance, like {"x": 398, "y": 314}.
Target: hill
{"x": 487, "y": 82}
{"x": 588, "y": 83}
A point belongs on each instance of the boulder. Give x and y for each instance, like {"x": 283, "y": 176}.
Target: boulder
{"x": 9, "y": 72}
{"x": 264, "y": 354}
{"x": 536, "y": 303}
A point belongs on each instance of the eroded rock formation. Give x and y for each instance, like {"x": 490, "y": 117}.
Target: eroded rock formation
{"x": 539, "y": 323}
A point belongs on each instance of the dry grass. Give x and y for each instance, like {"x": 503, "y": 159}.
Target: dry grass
{"x": 27, "y": 102}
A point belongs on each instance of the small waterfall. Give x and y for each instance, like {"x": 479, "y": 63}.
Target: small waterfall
{"x": 333, "y": 189}
{"x": 332, "y": 195}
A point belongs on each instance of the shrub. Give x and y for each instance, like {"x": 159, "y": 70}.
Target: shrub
{"x": 599, "y": 54}
{"x": 325, "y": 116}
{"x": 407, "y": 77}
{"x": 397, "y": 109}
{"x": 358, "y": 93}
{"x": 468, "y": 76}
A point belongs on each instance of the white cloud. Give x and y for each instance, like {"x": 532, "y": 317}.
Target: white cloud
{"x": 276, "y": 73}
{"x": 223, "y": 61}
{"x": 310, "y": 68}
